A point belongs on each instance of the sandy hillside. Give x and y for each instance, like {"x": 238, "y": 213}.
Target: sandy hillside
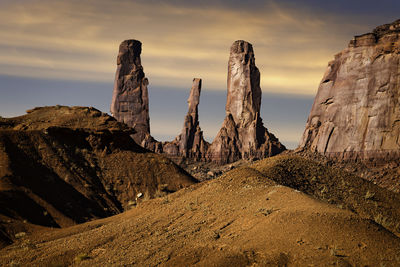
{"x": 60, "y": 166}
{"x": 239, "y": 219}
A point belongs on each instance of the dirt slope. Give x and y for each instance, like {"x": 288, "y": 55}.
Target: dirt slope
{"x": 385, "y": 174}
{"x": 239, "y": 219}
{"x": 336, "y": 186}
{"x": 65, "y": 165}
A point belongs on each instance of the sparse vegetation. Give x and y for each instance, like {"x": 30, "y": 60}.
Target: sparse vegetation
{"x": 81, "y": 257}
{"x": 14, "y": 264}
{"x": 369, "y": 195}
{"x": 383, "y": 220}
{"x": 266, "y": 212}
{"x": 335, "y": 186}
{"x": 162, "y": 190}
{"x": 334, "y": 251}
{"x": 28, "y": 244}
{"x": 20, "y": 235}
{"x": 324, "y": 190}
{"x": 131, "y": 203}
{"x": 165, "y": 200}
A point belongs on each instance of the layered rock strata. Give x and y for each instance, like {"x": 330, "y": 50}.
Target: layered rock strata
{"x": 243, "y": 135}
{"x": 190, "y": 143}
{"x": 130, "y": 101}
{"x": 356, "y": 112}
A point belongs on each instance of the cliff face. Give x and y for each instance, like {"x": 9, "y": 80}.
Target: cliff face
{"x": 243, "y": 135}
{"x": 356, "y": 112}
{"x": 190, "y": 143}
{"x": 130, "y": 101}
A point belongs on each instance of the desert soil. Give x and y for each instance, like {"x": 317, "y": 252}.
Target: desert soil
{"x": 242, "y": 218}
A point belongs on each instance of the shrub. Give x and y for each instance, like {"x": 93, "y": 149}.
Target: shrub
{"x": 81, "y": 257}
{"x": 369, "y": 195}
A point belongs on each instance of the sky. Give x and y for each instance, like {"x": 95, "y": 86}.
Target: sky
{"x": 64, "y": 52}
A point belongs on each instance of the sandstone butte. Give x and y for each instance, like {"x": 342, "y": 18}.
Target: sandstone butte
{"x": 243, "y": 135}
{"x": 356, "y": 112}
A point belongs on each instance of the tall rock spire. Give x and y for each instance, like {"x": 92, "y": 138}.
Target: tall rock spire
{"x": 130, "y": 101}
{"x": 243, "y": 135}
{"x": 356, "y": 112}
{"x": 190, "y": 143}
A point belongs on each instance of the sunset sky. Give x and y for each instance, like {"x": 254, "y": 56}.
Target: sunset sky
{"x": 64, "y": 52}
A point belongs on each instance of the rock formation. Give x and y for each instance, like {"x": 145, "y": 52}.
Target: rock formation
{"x": 130, "y": 101}
{"x": 356, "y": 112}
{"x": 243, "y": 135}
{"x": 190, "y": 143}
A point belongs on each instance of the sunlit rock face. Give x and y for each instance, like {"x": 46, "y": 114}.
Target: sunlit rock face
{"x": 356, "y": 112}
{"x": 130, "y": 101}
{"x": 190, "y": 143}
{"x": 243, "y": 135}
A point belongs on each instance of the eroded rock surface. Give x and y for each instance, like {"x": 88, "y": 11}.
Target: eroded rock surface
{"x": 356, "y": 112}
{"x": 243, "y": 135}
{"x": 130, "y": 101}
{"x": 190, "y": 143}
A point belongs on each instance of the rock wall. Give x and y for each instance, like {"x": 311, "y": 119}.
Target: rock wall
{"x": 130, "y": 101}
{"x": 243, "y": 135}
{"x": 356, "y": 112}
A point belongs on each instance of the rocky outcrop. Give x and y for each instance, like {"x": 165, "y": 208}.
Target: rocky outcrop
{"x": 243, "y": 135}
{"x": 130, "y": 101}
{"x": 190, "y": 143}
{"x": 152, "y": 144}
{"x": 356, "y": 112}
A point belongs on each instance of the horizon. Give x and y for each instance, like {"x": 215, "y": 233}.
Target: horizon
{"x": 65, "y": 53}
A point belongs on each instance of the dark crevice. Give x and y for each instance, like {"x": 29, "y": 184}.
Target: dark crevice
{"x": 329, "y": 138}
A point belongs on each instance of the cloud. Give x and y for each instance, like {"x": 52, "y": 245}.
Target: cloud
{"x": 78, "y": 40}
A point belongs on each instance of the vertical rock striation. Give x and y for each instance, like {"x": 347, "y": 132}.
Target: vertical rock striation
{"x": 190, "y": 143}
{"x": 130, "y": 101}
{"x": 243, "y": 135}
{"x": 356, "y": 112}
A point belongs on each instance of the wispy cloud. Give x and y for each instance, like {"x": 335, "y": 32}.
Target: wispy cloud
{"x": 78, "y": 40}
